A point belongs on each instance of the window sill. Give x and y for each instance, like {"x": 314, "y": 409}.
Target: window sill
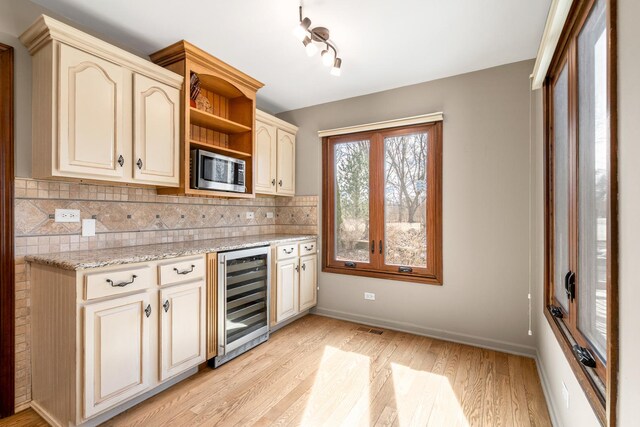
{"x": 429, "y": 280}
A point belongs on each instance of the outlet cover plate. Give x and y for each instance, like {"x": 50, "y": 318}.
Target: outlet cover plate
{"x": 251, "y": 215}
{"x": 67, "y": 215}
{"x": 370, "y": 296}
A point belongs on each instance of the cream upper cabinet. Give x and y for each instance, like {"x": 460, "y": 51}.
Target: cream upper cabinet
{"x": 286, "y": 163}
{"x": 275, "y": 156}
{"x": 116, "y": 351}
{"x": 287, "y": 289}
{"x": 308, "y": 281}
{"x": 182, "y": 324}
{"x": 156, "y": 127}
{"x": 90, "y": 115}
{"x": 99, "y": 111}
{"x": 265, "y": 172}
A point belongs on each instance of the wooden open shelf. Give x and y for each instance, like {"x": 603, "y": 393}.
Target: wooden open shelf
{"x": 216, "y": 123}
{"x": 221, "y": 150}
{"x": 224, "y": 121}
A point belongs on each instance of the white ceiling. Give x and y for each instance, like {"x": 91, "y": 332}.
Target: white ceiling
{"x": 383, "y": 43}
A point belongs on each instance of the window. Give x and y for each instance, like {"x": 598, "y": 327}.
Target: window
{"x": 581, "y": 205}
{"x": 382, "y": 203}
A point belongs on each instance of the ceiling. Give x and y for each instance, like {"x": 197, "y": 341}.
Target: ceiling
{"x": 384, "y": 44}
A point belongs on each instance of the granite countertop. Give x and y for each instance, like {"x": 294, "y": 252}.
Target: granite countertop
{"x": 80, "y": 260}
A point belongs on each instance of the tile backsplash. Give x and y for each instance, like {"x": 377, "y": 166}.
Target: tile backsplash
{"x": 130, "y": 216}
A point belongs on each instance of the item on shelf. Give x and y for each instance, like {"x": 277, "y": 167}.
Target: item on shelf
{"x": 202, "y": 103}
{"x": 195, "y": 89}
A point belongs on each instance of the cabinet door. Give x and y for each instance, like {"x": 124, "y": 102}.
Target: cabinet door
{"x": 156, "y": 124}
{"x": 287, "y": 289}
{"x": 90, "y": 116}
{"x": 308, "y": 281}
{"x": 116, "y": 351}
{"x": 286, "y": 163}
{"x": 265, "y": 174}
{"x": 182, "y": 328}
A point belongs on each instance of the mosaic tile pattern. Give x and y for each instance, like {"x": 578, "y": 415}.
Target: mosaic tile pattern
{"x": 130, "y": 216}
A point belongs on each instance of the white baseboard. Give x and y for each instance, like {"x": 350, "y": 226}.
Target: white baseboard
{"x": 544, "y": 380}
{"x": 487, "y": 343}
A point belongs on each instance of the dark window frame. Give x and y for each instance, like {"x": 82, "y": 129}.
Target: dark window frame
{"x": 599, "y": 383}
{"x": 376, "y": 267}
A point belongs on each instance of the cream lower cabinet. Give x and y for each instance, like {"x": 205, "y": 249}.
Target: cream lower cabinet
{"x": 99, "y": 112}
{"x": 275, "y": 156}
{"x": 116, "y": 351}
{"x": 102, "y": 337}
{"x": 296, "y": 280}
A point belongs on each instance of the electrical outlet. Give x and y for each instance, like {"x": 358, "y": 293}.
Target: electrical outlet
{"x": 251, "y": 215}
{"x": 67, "y": 215}
{"x": 370, "y": 296}
{"x": 565, "y": 394}
{"x": 88, "y": 227}
{"x": 269, "y": 214}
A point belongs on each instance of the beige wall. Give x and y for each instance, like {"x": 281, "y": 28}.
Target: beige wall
{"x": 485, "y": 208}
{"x": 555, "y": 365}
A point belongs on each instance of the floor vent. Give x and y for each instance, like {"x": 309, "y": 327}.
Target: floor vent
{"x": 370, "y": 331}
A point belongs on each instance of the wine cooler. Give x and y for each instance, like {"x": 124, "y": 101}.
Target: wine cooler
{"x": 243, "y": 301}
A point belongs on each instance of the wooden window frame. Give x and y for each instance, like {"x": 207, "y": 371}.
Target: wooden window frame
{"x": 376, "y": 268}
{"x": 600, "y": 383}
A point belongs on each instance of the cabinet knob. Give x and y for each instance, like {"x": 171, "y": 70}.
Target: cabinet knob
{"x": 304, "y": 267}
{"x": 280, "y": 183}
{"x": 121, "y": 160}
{"x": 139, "y": 163}
{"x": 273, "y": 182}
{"x": 297, "y": 268}
{"x": 147, "y": 310}
{"x": 166, "y": 306}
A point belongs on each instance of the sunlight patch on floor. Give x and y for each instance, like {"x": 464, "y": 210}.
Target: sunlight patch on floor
{"x": 424, "y": 398}
{"x": 340, "y": 394}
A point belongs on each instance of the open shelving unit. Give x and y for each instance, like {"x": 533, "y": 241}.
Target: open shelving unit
{"x": 227, "y": 124}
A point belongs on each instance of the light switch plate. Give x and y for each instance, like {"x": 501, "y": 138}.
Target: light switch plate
{"x": 67, "y": 215}
{"x": 370, "y": 296}
{"x": 88, "y": 227}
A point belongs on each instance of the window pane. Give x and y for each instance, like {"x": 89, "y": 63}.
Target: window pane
{"x": 405, "y": 198}
{"x": 561, "y": 186}
{"x": 352, "y": 201}
{"x": 593, "y": 192}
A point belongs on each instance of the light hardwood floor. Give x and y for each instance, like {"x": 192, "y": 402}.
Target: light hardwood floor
{"x": 321, "y": 371}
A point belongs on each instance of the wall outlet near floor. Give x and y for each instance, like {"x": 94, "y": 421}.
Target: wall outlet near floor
{"x": 269, "y": 214}
{"x": 565, "y": 394}
{"x": 251, "y": 215}
{"x": 370, "y": 296}
{"x": 67, "y": 215}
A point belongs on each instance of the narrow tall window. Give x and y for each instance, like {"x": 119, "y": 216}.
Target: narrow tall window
{"x": 382, "y": 213}
{"x": 581, "y": 284}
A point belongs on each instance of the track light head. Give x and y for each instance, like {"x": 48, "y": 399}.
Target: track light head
{"x": 335, "y": 70}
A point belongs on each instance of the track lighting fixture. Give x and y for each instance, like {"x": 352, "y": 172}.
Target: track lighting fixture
{"x": 310, "y": 36}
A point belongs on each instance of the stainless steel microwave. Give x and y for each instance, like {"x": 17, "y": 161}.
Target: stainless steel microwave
{"x": 212, "y": 171}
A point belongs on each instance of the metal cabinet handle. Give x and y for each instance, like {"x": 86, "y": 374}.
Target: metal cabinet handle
{"x": 288, "y": 251}
{"x": 273, "y": 182}
{"x": 121, "y": 160}
{"x": 373, "y": 246}
{"x": 308, "y": 248}
{"x": 184, "y": 271}
{"x": 147, "y": 310}
{"x": 297, "y": 268}
{"x": 280, "y": 182}
{"x": 405, "y": 269}
{"x": 380, "y": 247}
{"x": 304, "y": 267}
{"x": 139, "y": 163}
{"x": 122, "y": 284}
{"x": 166, "y": 306}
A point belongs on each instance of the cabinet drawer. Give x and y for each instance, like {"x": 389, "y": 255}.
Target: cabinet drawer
{"x": 306, "y": 248}
{"x": 181, "y": 270}
{"x": 115, "y": 282}
{"x": 287, "y": 251}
